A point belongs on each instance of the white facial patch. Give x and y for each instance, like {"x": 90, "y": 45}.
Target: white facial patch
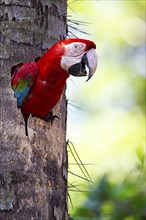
{"x": 74, "y": 49}
{"x": 67, "y": 62}
{"x": 73, "y": 54}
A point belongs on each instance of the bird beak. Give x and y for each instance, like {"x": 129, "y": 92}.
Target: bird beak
{"x": 88, "y": 60}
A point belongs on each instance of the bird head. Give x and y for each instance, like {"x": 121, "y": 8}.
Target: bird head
{"x": 78, "y": 56}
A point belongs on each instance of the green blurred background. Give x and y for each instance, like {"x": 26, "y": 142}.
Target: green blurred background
{"x": 106, "y": 116}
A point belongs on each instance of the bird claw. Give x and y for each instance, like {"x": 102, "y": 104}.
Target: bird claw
{"x": 50, "y": 117}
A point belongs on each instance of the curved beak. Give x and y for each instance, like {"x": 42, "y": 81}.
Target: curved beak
{"x": 88, "y": 60}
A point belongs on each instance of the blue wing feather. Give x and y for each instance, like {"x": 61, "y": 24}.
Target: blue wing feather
{"x": 23, "y": 78}
{"x": 20, "y": 96}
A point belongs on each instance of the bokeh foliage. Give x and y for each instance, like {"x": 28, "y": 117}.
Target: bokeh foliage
{"x": 110, "y": 201}
{"x": 108, "y": 127}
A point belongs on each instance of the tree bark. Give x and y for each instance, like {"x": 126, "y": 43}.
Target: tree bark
{"x": 33, "y": 170}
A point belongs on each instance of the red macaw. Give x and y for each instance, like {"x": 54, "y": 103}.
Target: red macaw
{"x": 38, "y": 85}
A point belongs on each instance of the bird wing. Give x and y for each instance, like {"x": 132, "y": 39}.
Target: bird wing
{"x": 23, "y": 77}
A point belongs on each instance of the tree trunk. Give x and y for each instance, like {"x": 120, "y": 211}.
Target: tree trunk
{"x": 33, "y": 170}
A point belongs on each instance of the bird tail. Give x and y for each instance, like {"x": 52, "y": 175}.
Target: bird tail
{"x": 26, "y": 126}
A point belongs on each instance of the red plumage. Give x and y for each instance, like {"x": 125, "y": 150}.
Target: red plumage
{"x": 48, "y": 87}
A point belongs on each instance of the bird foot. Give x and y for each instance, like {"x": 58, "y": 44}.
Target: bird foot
{"x": 50, "y": 117}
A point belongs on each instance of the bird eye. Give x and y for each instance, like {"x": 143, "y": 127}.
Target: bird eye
{"x": 75, "y": 46}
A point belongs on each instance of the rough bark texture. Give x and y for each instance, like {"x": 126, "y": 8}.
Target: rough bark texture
{"x": 33, "y": 170}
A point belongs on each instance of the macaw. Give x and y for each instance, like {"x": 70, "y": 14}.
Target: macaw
{"x": 38, "y": 84}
